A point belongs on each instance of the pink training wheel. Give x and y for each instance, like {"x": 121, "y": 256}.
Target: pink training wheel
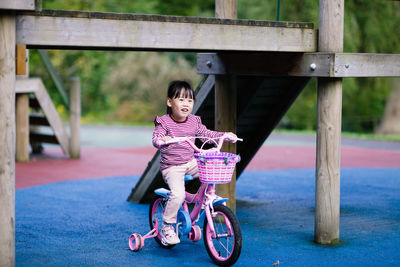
{"x": 135, "y": 242}
{"x": 195, "y": 233}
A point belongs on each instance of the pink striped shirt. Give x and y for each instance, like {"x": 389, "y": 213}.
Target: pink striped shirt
{"x": 178, "y": 153}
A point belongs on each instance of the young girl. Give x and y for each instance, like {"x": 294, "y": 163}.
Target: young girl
{"x": 177, "y": 159}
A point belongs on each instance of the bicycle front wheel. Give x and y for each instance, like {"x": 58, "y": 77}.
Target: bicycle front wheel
{"x": 225, "y": 246}
{"x": 157, "y": 208}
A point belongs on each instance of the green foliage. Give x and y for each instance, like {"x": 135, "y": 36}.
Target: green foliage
{"x": 303, "y": 113}
{"x": 370, "y": 26}
{"x": 130, "y": 86}
{"x": 141, "y": 81}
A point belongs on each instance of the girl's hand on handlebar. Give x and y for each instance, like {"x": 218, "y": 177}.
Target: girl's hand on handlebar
{"x": 230, "y": 137}
{"x": 164, "y": 140}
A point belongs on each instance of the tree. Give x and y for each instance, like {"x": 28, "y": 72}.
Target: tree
{"x": 390, "y": 123}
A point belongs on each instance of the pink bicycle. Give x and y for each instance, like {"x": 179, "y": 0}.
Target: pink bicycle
{"x": 221, "y": 228}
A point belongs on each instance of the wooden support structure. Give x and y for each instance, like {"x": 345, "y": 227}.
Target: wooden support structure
{"x": 21, "y": 106}
{"x": 75, "y": 117}
{"x": 225, "y": 121}
{"x": 327, "y": 186}
{"x": 223, "y": 35}
{"x": 54, "y": 76}
{"x": 225, "y": 105}
{"x": 7, "y": 124}
{"x": 321, "y": 64}
{"x": 22, "y": 127}
{"x": 94, "y": 30}
{"x": 21, "y": 59}
{"x": 17, "y": 4}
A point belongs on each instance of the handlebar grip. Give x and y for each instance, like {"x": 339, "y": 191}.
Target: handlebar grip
{"x": 234, "y": 139}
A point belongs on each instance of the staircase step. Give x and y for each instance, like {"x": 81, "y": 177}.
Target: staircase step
{"x": 34, "y": 103}
{"x": 40, "y": 100}
{"x": 42, "y": 138}
{"x": 38, "y": 119}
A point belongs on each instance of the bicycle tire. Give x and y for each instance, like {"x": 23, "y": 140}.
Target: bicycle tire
{"x": 156, "y": 210}
{"x": 220, "y": 254}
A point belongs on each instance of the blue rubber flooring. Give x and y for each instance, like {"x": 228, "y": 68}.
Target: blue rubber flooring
{"x": 88, "y": 223}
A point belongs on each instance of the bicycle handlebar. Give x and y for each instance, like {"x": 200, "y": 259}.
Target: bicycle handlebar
{"x": 215, "y": 149}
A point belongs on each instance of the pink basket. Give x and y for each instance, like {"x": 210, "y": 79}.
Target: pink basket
{"x": 216, "y": 168}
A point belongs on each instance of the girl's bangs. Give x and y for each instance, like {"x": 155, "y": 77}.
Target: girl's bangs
{"x": 187, "y": 93}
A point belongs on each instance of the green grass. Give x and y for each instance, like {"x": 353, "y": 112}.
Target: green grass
{"x": 364, "y": 136}
{"x": 370, "y": 136}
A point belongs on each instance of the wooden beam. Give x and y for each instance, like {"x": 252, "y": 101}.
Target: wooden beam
{"x": 327, "y": 184}
{"x": 93, "y": 30}
{"x": 75, "y": 117}
{"x": 366, "y": 65}
{"x": 203, "y": 92}
{"x": 54, "y": 76}
{"x": 265, "y": 64}
{"x": 320, "y": 64}
{"x": 17, "y": 4}
{"x": 7, "y": 155}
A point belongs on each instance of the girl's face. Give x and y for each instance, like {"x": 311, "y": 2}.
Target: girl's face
{"x": 181, "y": 106}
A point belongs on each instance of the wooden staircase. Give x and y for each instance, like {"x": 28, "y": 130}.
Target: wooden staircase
{"x": 43, "y": 114}
{"x": 262, "y": 102}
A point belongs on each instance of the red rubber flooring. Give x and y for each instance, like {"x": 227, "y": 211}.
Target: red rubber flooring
{"x": 107, "y": 162}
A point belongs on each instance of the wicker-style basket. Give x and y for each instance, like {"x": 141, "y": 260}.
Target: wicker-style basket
{"x": 216, "y": 168}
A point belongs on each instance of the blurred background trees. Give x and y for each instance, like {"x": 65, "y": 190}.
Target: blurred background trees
{"x": 130, "y": 87}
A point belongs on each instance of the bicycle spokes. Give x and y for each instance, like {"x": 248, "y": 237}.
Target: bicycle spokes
{"x": 157, "y": 208}
{"x": 222, "y": 236}
{"x": 223, "y": 241}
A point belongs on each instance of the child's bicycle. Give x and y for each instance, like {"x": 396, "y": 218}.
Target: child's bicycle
{"x": 221, "y": 228}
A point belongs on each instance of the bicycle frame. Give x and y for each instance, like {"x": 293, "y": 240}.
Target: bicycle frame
{"x": 198, "y": 199}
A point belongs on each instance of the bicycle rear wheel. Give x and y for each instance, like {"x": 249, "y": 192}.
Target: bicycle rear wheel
{"x": 224, "y": 248}
{"x": 157, "y": 207}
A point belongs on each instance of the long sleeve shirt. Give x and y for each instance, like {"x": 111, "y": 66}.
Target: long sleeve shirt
{"x": 178, "y": 153}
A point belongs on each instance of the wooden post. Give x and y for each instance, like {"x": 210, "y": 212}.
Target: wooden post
{"x": 225, "y": 121}
{"x": 22, "y": 127}
{"x": 327, "y": 189}
{"x": 75, "y": 117}
{"x": 225, "y": 104}
{"x": 7, "y": 124}
{"x": 22, "y": 106}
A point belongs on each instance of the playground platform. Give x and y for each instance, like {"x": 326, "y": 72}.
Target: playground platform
{"x": 74, "y": 212}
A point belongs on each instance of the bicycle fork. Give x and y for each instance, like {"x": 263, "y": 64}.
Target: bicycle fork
{"x": 209, "y": 216}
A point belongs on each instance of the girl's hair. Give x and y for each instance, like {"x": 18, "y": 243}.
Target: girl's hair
{"x": 175, "y": 89}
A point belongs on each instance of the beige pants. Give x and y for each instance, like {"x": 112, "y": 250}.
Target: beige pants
{"x": 174, "y": 177}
